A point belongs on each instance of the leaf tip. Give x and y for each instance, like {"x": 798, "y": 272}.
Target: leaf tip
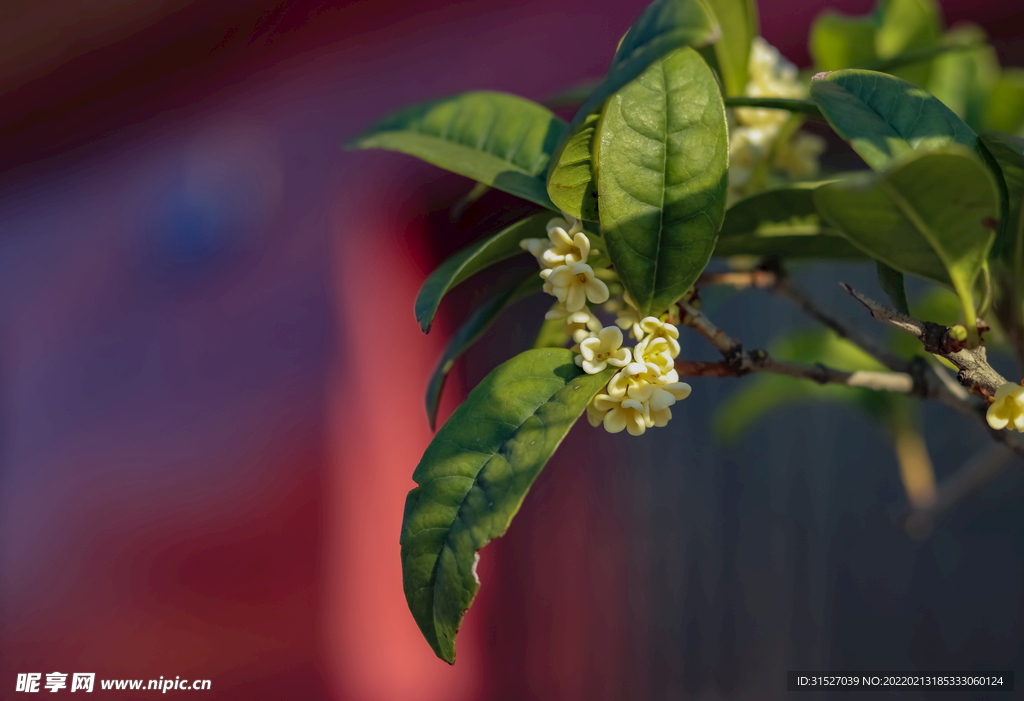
{"x": 820, "y": 76}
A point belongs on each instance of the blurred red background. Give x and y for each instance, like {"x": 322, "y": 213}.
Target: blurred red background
{"x": 209, "y": 371}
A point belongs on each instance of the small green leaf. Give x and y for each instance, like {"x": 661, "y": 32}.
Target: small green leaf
{"x": 895, "y": 38}
{"x": 1005, "y": 111}
{"x": 572, "y": 182}
{"x": 479, "y": 322}
{"x": 782, "y": 223}
{"x": 552, "y": 334}
{"x": 471, "y": 260}
{"x": 474, "y": 476}
{"x": 885, "y": 118}
{"x": 662, "y": 157}
{"x": 963, "y": 80}
{"x": 894, "y": 286}
{"x": 498, "y": 139}
{"x": 740, "y": 24}
{"x": 838, "y": 41}
{"x": 666, "y": 25}
{"x": 906, "y": 26}
{"x": 933, "y": 214}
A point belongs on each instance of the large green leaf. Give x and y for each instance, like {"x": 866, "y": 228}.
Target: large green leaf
{"x": 473, "y": 259}
{"x": 470, "y": 332}
{"x": 885, "y": 118}
{"x": 474, "y": 476}
{"x": 932, "y": 214}
{"x": 781, "y": 223}
{"x": 498, "y": 139}
{"x": 739, "y": 22}
{"x": 662, "y": 157}
{"x": 572, "y": 180}
{"x": 666, "y": 25}
{"x": 1008, "y": 153}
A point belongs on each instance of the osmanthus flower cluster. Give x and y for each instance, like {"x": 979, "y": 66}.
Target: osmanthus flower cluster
{"x": 640, "y": 394}
{"x": 762, "y": 140}
{"x": 690, "y": 148}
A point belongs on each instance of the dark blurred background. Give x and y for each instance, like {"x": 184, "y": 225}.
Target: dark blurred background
{"x": 211, "y": 382}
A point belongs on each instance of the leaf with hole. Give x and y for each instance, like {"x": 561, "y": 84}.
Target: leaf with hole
{"x": 933, "y": 214}
{"x": 885, "y": 118}
{"x": 472, "y": 259}
{"x": 474, "y": 476}
{"x": 495, "y": 138}
{"x": 478, "y": 323}
{"x": 663, "y": 152}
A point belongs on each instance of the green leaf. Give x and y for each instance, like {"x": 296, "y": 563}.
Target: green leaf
{"x": 662, "y": 157}
{"x": 1006, "y": 103}
{"x": 479, "y": 322}
{"x": 933, "y": 214}
{"x": 572, "y": 182}
{"x": 474, "y": 476}
{"x": 766, "y": 394}
{"x": 494, "y": 138}
{"x": 782, "y": 223}
{"x": 963, "y": 80}
{"x": 896, "y": 38}
{"x": 740, "y": 24}
{"x": 839, "y": 41}
{"x": 905, "y": 26}
{"x": 552, "y": 334}
{"x": 471, "y": 260}
{"x": 666, "y": 25}
{"x": 885, "y": 118}
{"x": 894, "y": 286}
{"x": 1008, "y": 153}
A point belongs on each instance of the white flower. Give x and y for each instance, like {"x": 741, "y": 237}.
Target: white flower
{"x": 602, "y": 350}
{"x": 654, "y": 327}
{"x": 622, "y": 414}
{"x": 770, "y": 76}
{"x": 536, "y": 247}
{"x": 657, "y": 351}
{"x": 566, "y": 249}
{"x": 1007, "y": 409}
{"x": 575, "y": 285}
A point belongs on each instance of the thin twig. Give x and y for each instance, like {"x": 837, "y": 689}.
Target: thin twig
{"x": 759, "y": 361}
{"x": 975, "y": 372}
